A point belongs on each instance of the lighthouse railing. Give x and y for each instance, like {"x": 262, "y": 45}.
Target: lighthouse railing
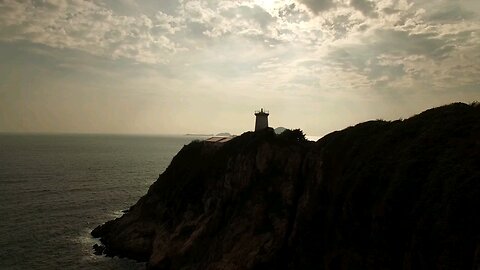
{"x": 263, "y": 111}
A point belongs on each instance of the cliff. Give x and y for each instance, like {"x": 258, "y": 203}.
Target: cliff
{"x": 379, "y": 195}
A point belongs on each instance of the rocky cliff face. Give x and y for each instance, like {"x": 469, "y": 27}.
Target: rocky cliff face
{"x": 379, "y": 195}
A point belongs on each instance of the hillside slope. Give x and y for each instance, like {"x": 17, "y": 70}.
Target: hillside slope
{"x": 379, "y": 195}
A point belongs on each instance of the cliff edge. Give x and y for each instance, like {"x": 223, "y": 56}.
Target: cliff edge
{"x": 379, "y": 195}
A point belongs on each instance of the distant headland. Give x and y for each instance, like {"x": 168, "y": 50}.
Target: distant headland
{"x": 198, "y": 135}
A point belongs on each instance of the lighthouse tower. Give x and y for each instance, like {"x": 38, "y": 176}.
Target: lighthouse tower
{"x": 261, "y": 120}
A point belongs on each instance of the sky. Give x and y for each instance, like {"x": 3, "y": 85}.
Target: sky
{"x": 204, "y": 66}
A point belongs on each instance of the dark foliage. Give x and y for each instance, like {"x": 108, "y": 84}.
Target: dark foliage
{"x": 292, "y": 136}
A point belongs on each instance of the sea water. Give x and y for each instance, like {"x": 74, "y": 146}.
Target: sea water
{"x": 54, "y": 189}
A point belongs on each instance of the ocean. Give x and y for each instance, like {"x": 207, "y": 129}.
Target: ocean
{"x": 54, "y": 189}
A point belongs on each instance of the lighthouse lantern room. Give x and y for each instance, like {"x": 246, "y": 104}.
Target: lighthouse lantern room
{"x": 261, "y": 120}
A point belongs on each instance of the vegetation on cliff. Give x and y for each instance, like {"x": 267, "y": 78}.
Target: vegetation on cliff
{"x": 379, "y": 195}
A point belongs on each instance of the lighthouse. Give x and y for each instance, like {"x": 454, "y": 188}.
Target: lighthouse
{"x": 261, "y": 120}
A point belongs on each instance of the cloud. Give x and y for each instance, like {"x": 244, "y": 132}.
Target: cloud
{"x": 381, "y": 42}
{"x": 405, "y": 43}
{"x": 451, "y": 13}
{"x": 389, "y": 57}
{"x": 291, "y": 13}
{"x": 318, "y": 6}
{"x": 167, "y": 23}
{"x": 89, "y": 27}
{"x": 340, "y": 25}
{"x": 366, "y": 7}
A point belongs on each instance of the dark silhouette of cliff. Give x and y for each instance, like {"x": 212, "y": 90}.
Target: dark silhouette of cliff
{"x": 379, "y": 195}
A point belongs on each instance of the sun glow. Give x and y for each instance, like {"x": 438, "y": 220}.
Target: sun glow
{"x": 268, "y": 5}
